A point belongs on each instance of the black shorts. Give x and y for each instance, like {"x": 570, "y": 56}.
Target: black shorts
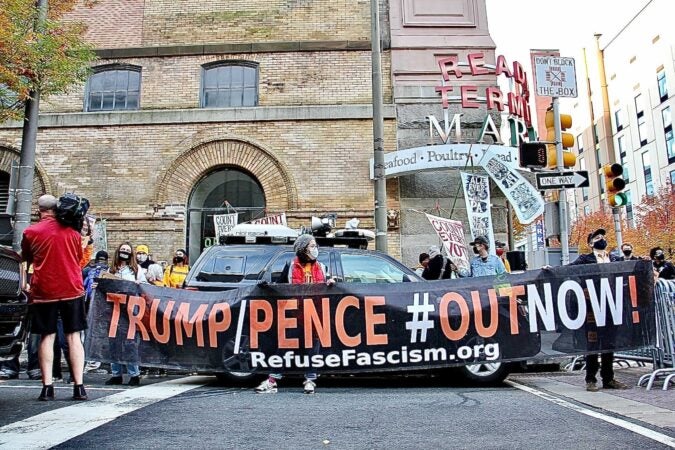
{"x": 71, "y": 312}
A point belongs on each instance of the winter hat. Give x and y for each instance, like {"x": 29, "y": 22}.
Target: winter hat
{"x": 301, "y": 243}
{"x": 142, "y": 249}
{"x": 101, "y": 254}
{"x": 434, "y": 251}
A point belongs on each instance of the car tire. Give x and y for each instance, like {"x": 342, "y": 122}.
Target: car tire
{"x": 238, "y": 378}
{"x": 485, "y": 373}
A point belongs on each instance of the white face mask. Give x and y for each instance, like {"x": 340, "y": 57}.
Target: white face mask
{"x": 314, "y": 253}
{"x": 141, "y": 258}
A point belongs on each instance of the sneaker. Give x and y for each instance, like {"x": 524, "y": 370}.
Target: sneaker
{"x": 34, "y": 374}
{"x": 309, "y": 386}
{"x": 6, "y": 374}
{"x": 91, "y": 365}
{"x": 134, "y": 381}
{"x": 114, "y": 380}
{"x": 79, "y": 393}
{"x": 592, "y": 386}
{"x": 47, "y": 393}
{"x": 615, "y": 385}
{"x": 267, "y": 387}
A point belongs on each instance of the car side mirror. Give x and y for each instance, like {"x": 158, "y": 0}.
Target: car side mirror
{"x": 406, "y": 278}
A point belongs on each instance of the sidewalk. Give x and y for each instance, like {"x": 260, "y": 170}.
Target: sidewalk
{"x": 654, "y": 407}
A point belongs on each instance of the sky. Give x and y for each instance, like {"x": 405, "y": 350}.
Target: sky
{"x": 516, "y": 26}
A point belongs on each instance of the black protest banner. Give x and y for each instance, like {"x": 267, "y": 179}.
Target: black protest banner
{"x": 375, "y": 327}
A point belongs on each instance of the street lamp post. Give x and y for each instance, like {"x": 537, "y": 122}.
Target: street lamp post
{"x": 378, "y": 132}
{"x": 24, "y": 190}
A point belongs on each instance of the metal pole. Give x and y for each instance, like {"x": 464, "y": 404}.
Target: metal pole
{"x": 616, "y": 212}
{"x": 24, "y": 191}
{"x": 562, "y": 206}
{"x": 378, "y": 132}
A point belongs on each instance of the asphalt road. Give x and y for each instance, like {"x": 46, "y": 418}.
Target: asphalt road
{"x": 373, "y": 413}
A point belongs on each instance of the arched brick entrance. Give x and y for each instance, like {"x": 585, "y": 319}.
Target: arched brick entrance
{"x": 193, "y": 164}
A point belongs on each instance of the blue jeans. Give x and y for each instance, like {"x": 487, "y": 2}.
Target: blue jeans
{"x": 133, "y": 370}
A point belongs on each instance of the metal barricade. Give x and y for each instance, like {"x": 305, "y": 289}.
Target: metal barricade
{"x": 663, "y": 352}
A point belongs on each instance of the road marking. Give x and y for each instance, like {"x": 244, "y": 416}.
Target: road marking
{"x": 60, "y": 425}
{"x": 638, "y": 429}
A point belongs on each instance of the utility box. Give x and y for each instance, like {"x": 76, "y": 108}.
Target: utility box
{"x": 551, "y": 219}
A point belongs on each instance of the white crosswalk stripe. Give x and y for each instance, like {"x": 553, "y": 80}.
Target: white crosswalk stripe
{"x": 60, "y": 425}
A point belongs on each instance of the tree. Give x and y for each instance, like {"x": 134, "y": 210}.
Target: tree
{"x": 49, "y": 61}
{"x": 654, "y": 225}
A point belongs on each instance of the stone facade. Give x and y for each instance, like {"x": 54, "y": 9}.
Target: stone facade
{"x": 307, "y": 142}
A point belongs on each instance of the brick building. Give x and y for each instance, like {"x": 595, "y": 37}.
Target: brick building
{"x": 262, "y": 105}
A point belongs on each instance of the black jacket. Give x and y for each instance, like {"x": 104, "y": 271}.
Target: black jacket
{"x": 437, "y": 264}
{"x": 666, "y": 271}
{"x": 589, "y": 258}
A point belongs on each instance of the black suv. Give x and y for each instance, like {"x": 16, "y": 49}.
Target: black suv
{"x": 13, "y": 305}
{"x": 231, "y": 266}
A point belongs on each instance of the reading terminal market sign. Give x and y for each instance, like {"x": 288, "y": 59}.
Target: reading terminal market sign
{"x": 499, "y": 161}
{"x": 457, "y": 154}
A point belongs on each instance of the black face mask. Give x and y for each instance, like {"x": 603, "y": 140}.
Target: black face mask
{"x": 125, "y": 256}
{"x": 178, "y": 259}
{"x": 661, "y": 258}
{"x": 627, "y": 253}
{"x": 600, "y": 245}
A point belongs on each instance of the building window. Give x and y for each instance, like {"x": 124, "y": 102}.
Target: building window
{"x": 601, "y": 183}
{"x": 587, "y": 210}
{"x": 639, "y": 106}
{"x": 642, "y": 131}
{"x": 112, "y": 88}
{"x": 595, "y": 134}
{"x": 672, "y": 179}
{"x": 620, "y": 143}
{"x": 667, "y": 119}
{"x": 229, "y": 84}
{"x": 597, "y": 156}
{"x": 670, "y": 150}
{"x": 580, "y": 143}
{"x": 617, "y": 120}
{"x": 626, "y": 172}
{"x": 646, "y": 165}
{"x": 663, "y": 86}
{"x": 629, "y": 208}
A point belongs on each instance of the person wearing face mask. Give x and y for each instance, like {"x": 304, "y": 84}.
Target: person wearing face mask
{"x": 436, "y": 266}
{"x": 304, "y": 269}
{"x": 142, "y": 258}
{"x": 174, "y": 274}
{"x": 598, "y": 243}
{"x": 664, "y": 269}
{"x": 124, "y": 266}
{"x": 483, "y": 263}
{"x": 627, "y": 253}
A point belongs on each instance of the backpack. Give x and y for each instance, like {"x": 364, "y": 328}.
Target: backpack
{"x": 71, "y": 210}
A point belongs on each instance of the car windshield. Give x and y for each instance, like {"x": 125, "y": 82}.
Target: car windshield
{"x": 225, "y": 266}
{"x": 364, "y": 268}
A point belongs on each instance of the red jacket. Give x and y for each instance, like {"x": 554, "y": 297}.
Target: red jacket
{"x": 55, "y": 251}
{"x": 307, "y": 273}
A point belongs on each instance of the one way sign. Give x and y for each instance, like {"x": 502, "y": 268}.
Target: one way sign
{"x": 562, "y": 180}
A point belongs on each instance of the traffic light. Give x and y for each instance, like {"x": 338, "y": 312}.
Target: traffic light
{"x": 614, "y": 184}
{"x": 569, "y": 158}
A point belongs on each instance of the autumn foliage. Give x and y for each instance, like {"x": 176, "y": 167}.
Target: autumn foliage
{"x": 654, "y": 225}
{"x": 49, "y": 59}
